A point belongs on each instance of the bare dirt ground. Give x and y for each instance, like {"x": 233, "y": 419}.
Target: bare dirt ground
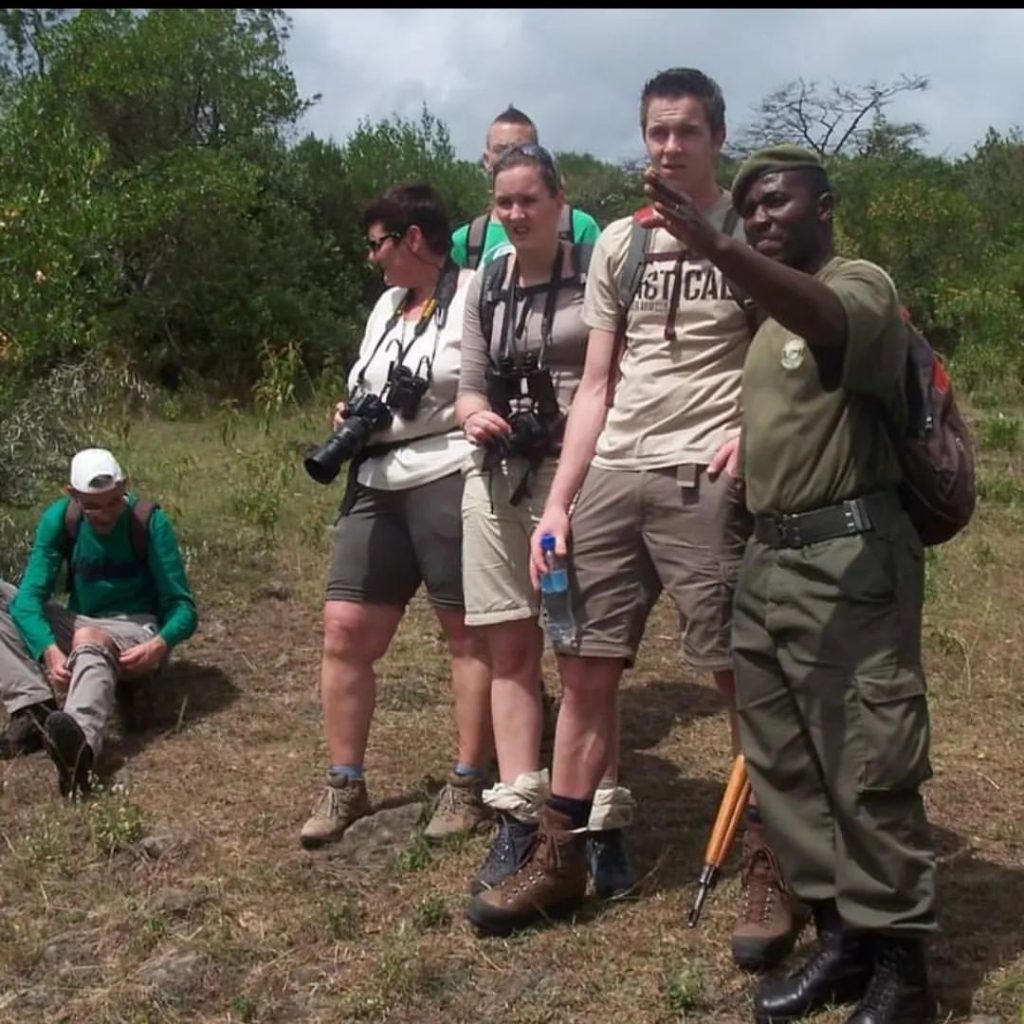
{"x": 218, "y": 915}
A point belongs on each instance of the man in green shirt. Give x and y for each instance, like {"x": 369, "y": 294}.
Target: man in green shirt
{"x": 827, "y": 618}
{"x": 129, "y": 603}
{"x": 475, "y": 243}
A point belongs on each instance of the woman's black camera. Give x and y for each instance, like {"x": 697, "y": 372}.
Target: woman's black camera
{"x": 365, "y": 415}
{"x": 404, "y": 391}
{"x": 525, "y": 396}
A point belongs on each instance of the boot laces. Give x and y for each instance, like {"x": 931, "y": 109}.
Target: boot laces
{"x": 335, "y": 802}
{"x": 762, "y": 882}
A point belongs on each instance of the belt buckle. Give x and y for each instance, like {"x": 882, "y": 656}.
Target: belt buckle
{"x": 789, "y": 530}
{"x": 854, "y": 517}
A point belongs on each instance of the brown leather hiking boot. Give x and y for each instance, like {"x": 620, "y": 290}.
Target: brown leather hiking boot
{"x": 550, "y": 883}
{"x": 771, "y": 917}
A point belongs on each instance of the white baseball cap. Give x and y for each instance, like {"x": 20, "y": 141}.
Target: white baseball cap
{"x": 94, "y": 470}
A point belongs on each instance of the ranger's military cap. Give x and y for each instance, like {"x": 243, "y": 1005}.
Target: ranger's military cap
{"x": 774, "y": 158}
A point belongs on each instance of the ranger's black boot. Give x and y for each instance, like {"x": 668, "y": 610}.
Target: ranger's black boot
{"x": 899, "y": 992}
{"x": 838, "y": 971}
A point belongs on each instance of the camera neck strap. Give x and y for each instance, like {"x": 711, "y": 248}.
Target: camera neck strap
{"x": 435, "y": 308}
{"x": 512, "y": 333}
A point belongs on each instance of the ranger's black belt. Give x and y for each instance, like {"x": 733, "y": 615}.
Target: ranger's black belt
{"x": 844, "y": 519}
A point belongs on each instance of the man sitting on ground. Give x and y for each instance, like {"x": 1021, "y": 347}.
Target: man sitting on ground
{"x": 129, "y": 603}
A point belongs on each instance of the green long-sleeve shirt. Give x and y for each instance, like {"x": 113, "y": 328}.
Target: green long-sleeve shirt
{"x": 161, "y": 589}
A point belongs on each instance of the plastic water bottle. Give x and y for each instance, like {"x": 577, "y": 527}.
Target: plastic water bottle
{"x": 554, "y": 591}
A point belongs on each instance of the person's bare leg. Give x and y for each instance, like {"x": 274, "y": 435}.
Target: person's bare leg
{"x": 586, "y": 736}
{"x": 471, "y": 687}
{"x": 515, "y": 650}
{"x": 355, "y": 636}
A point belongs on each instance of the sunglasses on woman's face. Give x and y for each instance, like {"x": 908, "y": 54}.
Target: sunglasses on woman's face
{"x": 374, "y": 244}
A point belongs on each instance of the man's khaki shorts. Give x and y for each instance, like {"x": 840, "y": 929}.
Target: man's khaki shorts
{"x": 496, "y": 540}
{"x": 635, "y": 532}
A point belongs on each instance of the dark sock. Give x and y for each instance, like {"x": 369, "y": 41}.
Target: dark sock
{"x": 577, "y": 811}
{"x": 462, "y": 769}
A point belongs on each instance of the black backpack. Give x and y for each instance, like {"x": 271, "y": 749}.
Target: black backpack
{"x": 477, "y": 234}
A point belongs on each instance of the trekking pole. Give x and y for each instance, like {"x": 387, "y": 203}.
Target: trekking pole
{"x": 734, "y": 802}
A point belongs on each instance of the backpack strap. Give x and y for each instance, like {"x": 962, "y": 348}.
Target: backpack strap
{"x": 492, "y": 291}
{"x": 475, "y": 238}
{"x": 138, "y": 528}
{"x": 630, "y": 279}
{"x": 566, "y": 230}
{"x": 72, "y": 524}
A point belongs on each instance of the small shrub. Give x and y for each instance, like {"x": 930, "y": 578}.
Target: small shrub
{"x": 432, "y": 913}
{"x": 685, "y": 989}
{"x": 417, "y": 854}
{"x": 114, "y": 821}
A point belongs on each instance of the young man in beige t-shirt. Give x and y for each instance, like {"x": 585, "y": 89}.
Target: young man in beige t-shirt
{"x": 658, "y": 505}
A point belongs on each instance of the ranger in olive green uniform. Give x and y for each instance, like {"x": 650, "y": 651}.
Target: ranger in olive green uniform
{"x": 827, "y": 619}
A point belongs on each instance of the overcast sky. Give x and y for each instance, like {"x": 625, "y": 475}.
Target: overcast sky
{"x": 579, "y": 74}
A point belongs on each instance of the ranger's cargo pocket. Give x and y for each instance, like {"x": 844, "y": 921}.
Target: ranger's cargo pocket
{"x": 894, "y": 732}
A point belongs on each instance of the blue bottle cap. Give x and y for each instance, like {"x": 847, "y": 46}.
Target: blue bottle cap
{"x": 547, "y": 542}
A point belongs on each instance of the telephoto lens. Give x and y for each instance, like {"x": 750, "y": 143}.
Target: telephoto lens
{"x": 365, "y": 415}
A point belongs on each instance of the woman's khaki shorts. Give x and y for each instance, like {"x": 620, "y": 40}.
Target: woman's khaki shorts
{"x": 496, "y": 540}
{"x": 391, "y": 541}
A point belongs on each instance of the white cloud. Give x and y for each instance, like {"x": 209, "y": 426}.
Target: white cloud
{"x": 578, "y": 74}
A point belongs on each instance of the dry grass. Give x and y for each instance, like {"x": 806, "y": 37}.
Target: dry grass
{"x": 269, "y": 933}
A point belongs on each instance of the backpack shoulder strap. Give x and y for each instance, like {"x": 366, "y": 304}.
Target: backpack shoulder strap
{"x": 138, "y": 526}
{"x": 630, "y": 279}
{"x": 492, "y": 288}
{"x": 581, "y": 254}
{"x": 633, "y": 270}
{"x": 72, "y": 524}
{"x": 475, "y": 238}
{"x": 566, "y": 231}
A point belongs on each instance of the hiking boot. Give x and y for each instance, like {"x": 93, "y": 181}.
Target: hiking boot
{"x": 459, "y": 808}
{"x": 899, "y": 991}
{"x": 24, "y": 734}
{"x": 551, "y": 882}
{"x": 838, "y": 971}
{"x": 512, "y": 844}
{"x": 342, "y": 802}
{"x": 771, "y": 917}
{"x": 609, "y": 864}
{"x": 71, "y": 753}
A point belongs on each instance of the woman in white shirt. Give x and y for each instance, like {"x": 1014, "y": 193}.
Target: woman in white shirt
{"x": 400, "y": 522}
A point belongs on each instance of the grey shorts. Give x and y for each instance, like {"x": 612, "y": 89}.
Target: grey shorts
{"x": 635, "y": 532}
{"x": 391, "y": 541}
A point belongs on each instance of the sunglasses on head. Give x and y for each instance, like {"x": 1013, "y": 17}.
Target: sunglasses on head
{"x": 373, "y": 244}
{"x": 528, "y": 149}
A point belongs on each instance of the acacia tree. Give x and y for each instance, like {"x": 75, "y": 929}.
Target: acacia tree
{"x": 834, "y": 120}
